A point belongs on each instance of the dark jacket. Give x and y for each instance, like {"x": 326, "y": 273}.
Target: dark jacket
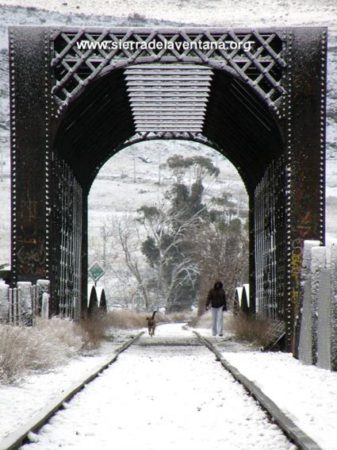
{"x": 217, "y": 297}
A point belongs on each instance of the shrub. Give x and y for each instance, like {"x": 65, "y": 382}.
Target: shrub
{"x": 201, "y": 321}
{"x": 181, "y": 316}
{"x": 94, "y": 329}
{"x": 48, "y": 344}
{"x": 93, "y": 302}
{"x": 102, "y": 304}
{"x": 252, "y": 329}
{"x": 126, "y": 319}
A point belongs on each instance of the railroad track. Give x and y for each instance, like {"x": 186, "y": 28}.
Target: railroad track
{"x": 27, "y": 433}
{"x": 289, "y": 428}
{"x": 21, "y": 436}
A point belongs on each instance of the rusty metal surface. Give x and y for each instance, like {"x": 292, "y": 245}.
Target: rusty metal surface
{"x": 305, "y": 155}
{"x": 29, "y": 140}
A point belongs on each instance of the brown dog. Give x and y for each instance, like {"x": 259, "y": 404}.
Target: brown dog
{"x": 151, "y": 324}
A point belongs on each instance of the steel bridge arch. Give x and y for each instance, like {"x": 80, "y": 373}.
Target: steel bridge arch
{"x": 62, "y": 108}
{"x": 48, "y": 76}
{"x": 171, "y": 135}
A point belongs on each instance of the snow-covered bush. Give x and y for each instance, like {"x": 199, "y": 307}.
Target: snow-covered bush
{"x": 181, "y": 316}
{"x": 48, "y": 344}
{"x": 201, "y": 321}
{"x": 126, "y": 319}
{"x": 253, "y": 329}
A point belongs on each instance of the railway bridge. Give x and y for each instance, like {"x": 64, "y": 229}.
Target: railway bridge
{"x": 78, "y": 96}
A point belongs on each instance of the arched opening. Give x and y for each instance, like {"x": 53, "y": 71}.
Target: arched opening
{"x": 166, "y": 220}
{"x": 237, "y": 121}
{"x": 109, "y": 115}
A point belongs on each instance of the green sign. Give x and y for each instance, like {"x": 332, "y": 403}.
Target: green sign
{"x": 96, "y": 271}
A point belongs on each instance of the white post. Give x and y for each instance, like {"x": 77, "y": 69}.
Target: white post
{"x": 45, "y": 306}
{"x": 4, "y": 301}
{"x": 318, "y": 264}
{"x": 10, "y": 305}
{"x": 333, "y": 310}
{"x": 43, "y": 300}
{"x": 305, "y": 318}
{"x": 25, "y": 302}
{"x": 324, "y": 321}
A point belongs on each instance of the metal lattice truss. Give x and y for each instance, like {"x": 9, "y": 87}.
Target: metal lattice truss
{"x": 256, "y": 57}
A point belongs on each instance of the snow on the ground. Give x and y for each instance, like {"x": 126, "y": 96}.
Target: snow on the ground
{"x": 19, "y": 402}
{"x": 307, "y": 394}
{"x": 162, "y": 397}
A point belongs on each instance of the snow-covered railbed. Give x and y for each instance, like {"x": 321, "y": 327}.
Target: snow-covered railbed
{"x": 306, "y": 394}
{"x": 30, "y": 395}
{"x": 167, "y": 397}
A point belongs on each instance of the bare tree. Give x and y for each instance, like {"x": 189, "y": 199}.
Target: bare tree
{"x": 106, "y": 234}
{"x": 167, "y": 234}
{"x": 221, "y": 255}
{"x": 128, "y": 237}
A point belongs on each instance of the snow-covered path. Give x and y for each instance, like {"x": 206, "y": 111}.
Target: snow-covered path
{"x": 162, "y": 397}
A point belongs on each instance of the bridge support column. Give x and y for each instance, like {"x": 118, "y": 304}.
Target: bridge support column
{"x": 305, "y": 158}
{"x": 29, "y": 155}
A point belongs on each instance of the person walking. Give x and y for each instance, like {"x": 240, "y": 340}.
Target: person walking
{"x": 216, "y": 298}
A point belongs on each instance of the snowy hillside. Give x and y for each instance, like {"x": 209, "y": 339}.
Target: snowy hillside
{"x": 117, "y": 176}
{"x": 212, "y": 12}
{"x": 128, "y": 181}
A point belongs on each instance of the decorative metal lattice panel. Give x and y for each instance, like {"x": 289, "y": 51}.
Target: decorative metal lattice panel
{"x": 256, "y": 57}
{"x": 66, "y": 225}
{"x": 270, "y": 242}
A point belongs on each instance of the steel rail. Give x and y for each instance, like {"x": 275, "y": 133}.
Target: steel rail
{"x": 289, "y": 428}
{"x": 21, "y": 436}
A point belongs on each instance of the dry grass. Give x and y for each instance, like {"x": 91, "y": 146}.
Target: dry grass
{"x": 203, "y": 321}
{"x": 126, "y": 319}
{"x": 48, "y": 344}
{"x": 53, "y": 342}
{"x": 245, "y": 328}
{"x": 181, "y": 316}
{"x": 93, "y": 330}
{"x": 250, "y": 329}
